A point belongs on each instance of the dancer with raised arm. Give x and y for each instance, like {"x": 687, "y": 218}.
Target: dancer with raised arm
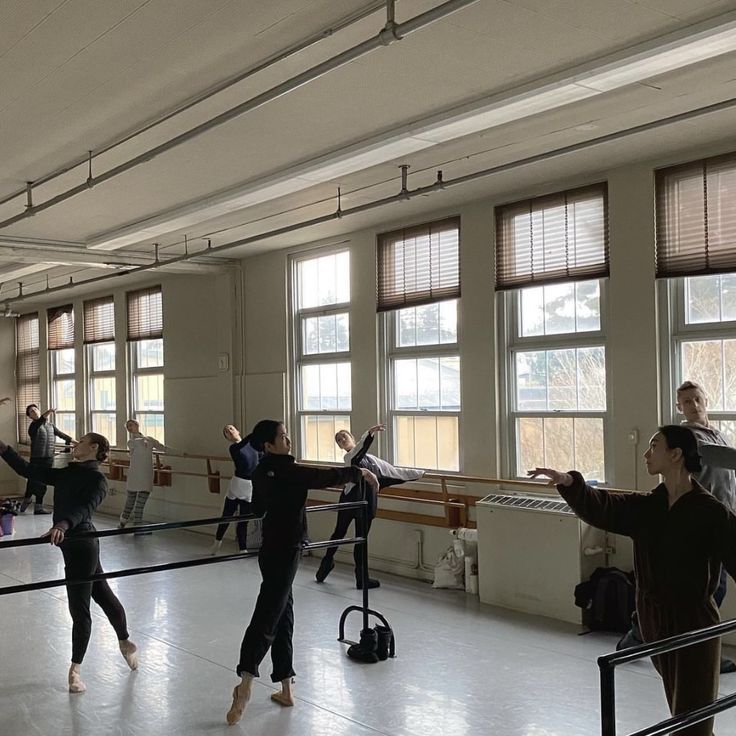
{"x": 139, "y": 483}
{"x": 681, "y": 535}
{"x": 239, "y": 494}
{"x": 280, "y": 487}
{"x": 43, "y": 434}
{"x": 356, "y": 453}
{"x": 78, "y": 490}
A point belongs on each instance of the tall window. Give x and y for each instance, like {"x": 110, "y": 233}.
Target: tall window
{"x": 418, "y": 288}
{"x": 99, "y": 341}
{"x": 146, "y": 345}
{"x": 27, "y": 371}
{"x": 551, "y": 255}
{"x": 696, "y": 254}
{"x": 322, "y": 344}
{"x": 62, "y": 367}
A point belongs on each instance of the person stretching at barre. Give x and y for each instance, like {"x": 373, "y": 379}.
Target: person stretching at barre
{"x": 356, "y": 453}
{"x": 237, "y": 500}
{"x": 280, "y": 487}
{"x": 681, "y": 535}
{"x": 78, "y": 490}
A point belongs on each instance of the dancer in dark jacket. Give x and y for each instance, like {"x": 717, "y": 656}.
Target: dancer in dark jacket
{"x": 681, "y": 536}
{"x": 280, "y": 487}
{"x": 78, "y": 490}
{"x": 43, "y": 436}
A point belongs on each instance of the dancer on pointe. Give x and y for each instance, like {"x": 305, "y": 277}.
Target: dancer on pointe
{"x": 240, "y": 491}
{"x": 139, "y": 483}
{"x": 280, "y": 487}
{"x": 43, "y": 436}
{"x": 681, "y": 535}
{"x": 78, "y": 490}
{"x": 356, "y": 453}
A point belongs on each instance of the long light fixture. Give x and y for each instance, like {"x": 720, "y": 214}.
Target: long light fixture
{"x": 668, "y": 53}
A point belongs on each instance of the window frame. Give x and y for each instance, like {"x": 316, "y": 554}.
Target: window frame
{"x": 91, "y": 375}
{"x": 390, "y": 352}
{"x": 55, "y": 378}
{"x": 301, "y": 359}
{"x": 673, "y": 303}
{"x": 134, "y": 372}
{"x": 511, "y": 342}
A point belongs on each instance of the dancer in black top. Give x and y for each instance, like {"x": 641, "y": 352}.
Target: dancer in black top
{"x": 237, "y": 500}
{"x": 43, "y": 434}
{"x": 280, "y": 487}
{"x": 356, "y": 453}
{"x": 78, "y": 490}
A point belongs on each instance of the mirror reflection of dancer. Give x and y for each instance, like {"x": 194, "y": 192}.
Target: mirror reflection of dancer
{"x": 356, "y": 453}
{"x": 240, "y": 491}
{"x": 43, "y": 434}
{"x": 78, "y": 490}
{"x": 681, "y": 535}
{"x": 280, "y": 487}
{"x": 139, "y": 483}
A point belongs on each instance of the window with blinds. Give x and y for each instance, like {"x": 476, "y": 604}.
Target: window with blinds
{"x": 27, "y": 373}
{"x": 61, "y": 327}
{"x": 696, "y": 218}
{"x": 558, "y": 237}
{"x": 145, "y": 314}
{"x": 99, "y": 320}
{"x": 419, "y": 265}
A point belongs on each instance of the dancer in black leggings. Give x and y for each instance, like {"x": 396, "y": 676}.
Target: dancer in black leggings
{"x": 280, "y": 487}
{"x": 78, "y": 490}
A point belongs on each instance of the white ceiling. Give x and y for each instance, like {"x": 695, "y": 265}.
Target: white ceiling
{"x": 78, "y": 75}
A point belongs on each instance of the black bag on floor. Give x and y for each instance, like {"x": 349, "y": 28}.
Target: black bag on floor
{"x": 607, "y": 600}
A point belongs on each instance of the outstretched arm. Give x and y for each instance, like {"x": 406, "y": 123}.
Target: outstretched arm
{"x": 619, "y": 513}
{"x": 20, "y": 466}
{"x": 719, "y": 456}
{"x": 6, "y": 400}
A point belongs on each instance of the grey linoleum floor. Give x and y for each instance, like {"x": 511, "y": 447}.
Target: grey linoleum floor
{"x": 462, "y": 667}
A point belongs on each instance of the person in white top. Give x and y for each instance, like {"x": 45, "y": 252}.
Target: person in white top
{"x": 140, "y": 473}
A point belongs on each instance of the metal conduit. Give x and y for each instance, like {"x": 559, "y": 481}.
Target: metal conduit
{"x": 390, "y": 33}
{"x": 403, "y": 195}
{"x": 205, "y": 95}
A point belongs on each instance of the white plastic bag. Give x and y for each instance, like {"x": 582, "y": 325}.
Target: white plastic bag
{"x": 450, "y": 569}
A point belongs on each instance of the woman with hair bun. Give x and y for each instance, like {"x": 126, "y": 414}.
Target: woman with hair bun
{"x": 78, "y": 490}
{"x": 682, "y": 534}
{"x": 280, "y": 487}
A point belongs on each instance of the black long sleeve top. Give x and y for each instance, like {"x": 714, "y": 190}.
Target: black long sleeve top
{"x": 244, "y": 457}
{"x": 43, "y": 437}
{"x": 280, "y": 487}
{"x": 78, "y": 490}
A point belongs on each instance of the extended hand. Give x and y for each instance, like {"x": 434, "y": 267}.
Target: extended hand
{"x": 3, "y": 446}
{"x": 556, "y": 478}
{"x": 6, "y": 400}
{"x": 55, "y": 535}
{"x": 377, "y": 428}
{"x": 370, "y": 479}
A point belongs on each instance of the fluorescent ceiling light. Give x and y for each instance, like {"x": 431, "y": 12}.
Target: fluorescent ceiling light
{"x": 666, "y": 54}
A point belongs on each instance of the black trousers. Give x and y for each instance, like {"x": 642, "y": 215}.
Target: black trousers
{"x": 35, "y": 487}
{"x": 272, "y": 624}
{"x": 82, "y": 559}
{"x": 345, "y": 518}
{"x": 235, "y": 507}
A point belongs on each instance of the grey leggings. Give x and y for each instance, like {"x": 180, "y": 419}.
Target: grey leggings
{"x": 134, "y": 504}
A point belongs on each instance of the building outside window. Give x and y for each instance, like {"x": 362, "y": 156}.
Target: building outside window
{"x": 27, "y": 370}
{"x": 62, "y": 368}
{"x": 99, "y": 341}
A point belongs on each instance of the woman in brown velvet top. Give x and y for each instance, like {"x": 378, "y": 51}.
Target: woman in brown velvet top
{"x": 681, "y": 536}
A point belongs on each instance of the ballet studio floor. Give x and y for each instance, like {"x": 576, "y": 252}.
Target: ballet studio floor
{"x": 462, "y": 668}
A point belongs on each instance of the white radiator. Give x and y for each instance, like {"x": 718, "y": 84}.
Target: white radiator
{"x": 531, "y": 554}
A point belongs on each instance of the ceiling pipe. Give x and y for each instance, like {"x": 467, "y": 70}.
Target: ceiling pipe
{"x": 439, "y": 185}
{"x": 206, "y": 95}
{"x": 391, "y": 32}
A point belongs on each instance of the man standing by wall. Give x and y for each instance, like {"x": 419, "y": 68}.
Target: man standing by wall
{"x": 43, "y": 436}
